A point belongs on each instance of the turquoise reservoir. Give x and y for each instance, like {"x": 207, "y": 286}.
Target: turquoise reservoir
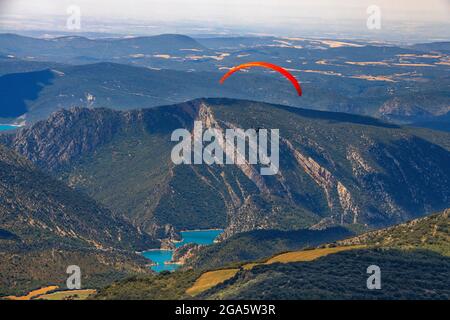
{"x": 161, "y": 257}
{"x": 5, "y": 127}
{"x": 202, "y": 237}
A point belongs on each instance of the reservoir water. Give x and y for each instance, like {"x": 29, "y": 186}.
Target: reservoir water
{"x": 5, "y": 127}
{"x": 162, "y": 257}
{"x": 202, "y": 237}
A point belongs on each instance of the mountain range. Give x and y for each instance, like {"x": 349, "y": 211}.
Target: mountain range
{"x": 35, "y": 95}
{"x": 335, "y": 169}
{"x": 89, "y": 179}
{"x": 402, "y": 84}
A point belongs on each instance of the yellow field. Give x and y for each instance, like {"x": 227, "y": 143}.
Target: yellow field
{"x": 308, "y": 255}
{"x": 250, "y": 266}
{"x": 69, "y": 294}
{"x": 34, "y": 293}
{"x": 210, "y": 279}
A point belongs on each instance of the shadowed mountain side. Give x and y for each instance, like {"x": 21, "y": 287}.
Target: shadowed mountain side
{"x": 346, "y": 171}
{"x": 40, "y": 210}
{"x": 46, "y": 226}
{"x": 10, "y": 65}
{"x": 16, "y": 89}
{"x": 126, "y": 87}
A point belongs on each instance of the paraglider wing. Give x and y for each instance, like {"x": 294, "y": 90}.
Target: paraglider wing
{"x": 267, "y": 65}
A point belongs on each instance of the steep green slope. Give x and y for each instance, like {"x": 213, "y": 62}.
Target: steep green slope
{"x": 45, "y": 226}
{"x": 26, "y": 268}
{"x": 409, "y": 270}
{"x": 334, "y": 168}
{"x": 431, "y": 233}
{"x": 412, "y": 273}
{"x": 163, "y": 286}
{"x": 405, "y": 275}
{"x": 260, "y": 244}
{"x": 33, "y": 201}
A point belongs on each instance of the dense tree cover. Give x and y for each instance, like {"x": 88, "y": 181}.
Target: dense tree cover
{"x": 45, "y": 226}
{"x": 412, "y": 258}
{"x": 404, "y": 275}
{"x": 333, "y": 167}
{"x": 428, "y": 233}
{"x": 163, "y": 286}
{"x": 260, "y": 244}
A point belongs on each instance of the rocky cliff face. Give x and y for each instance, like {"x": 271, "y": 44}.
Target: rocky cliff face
{"x": 67, "y": 135}
{"x": 40, "y": 210}
{"x": 46, "y": 226}
{"x": 334, "y": 168}
{"x": 184, "y": 253}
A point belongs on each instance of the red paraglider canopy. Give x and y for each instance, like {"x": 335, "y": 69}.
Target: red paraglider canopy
{"x": 267, "y": 65}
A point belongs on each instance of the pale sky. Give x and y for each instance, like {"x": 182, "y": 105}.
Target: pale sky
{"x": 287, "y": 14}
{"x": 233, "y": 10}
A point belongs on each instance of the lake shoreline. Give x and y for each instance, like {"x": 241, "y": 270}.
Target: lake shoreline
{"x": 201, "y": 230}
{"x": 164, "y": 257}
{"x": 7, "y": 127}
{"x": 180, "y": 241}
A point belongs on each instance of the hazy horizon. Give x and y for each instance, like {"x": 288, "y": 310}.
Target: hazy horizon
{"x": 402, "y": 20}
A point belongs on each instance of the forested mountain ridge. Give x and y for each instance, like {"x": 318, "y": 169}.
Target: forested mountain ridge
{"x": 335, "y": 168}
{"x": 338, "y": 271}
{"x": 45, "y": 226}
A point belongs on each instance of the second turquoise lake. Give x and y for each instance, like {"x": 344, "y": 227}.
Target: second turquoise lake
{"x": 160, "y": 257}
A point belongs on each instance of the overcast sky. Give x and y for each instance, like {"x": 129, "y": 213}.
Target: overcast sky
{"x": 288, "y": 13}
